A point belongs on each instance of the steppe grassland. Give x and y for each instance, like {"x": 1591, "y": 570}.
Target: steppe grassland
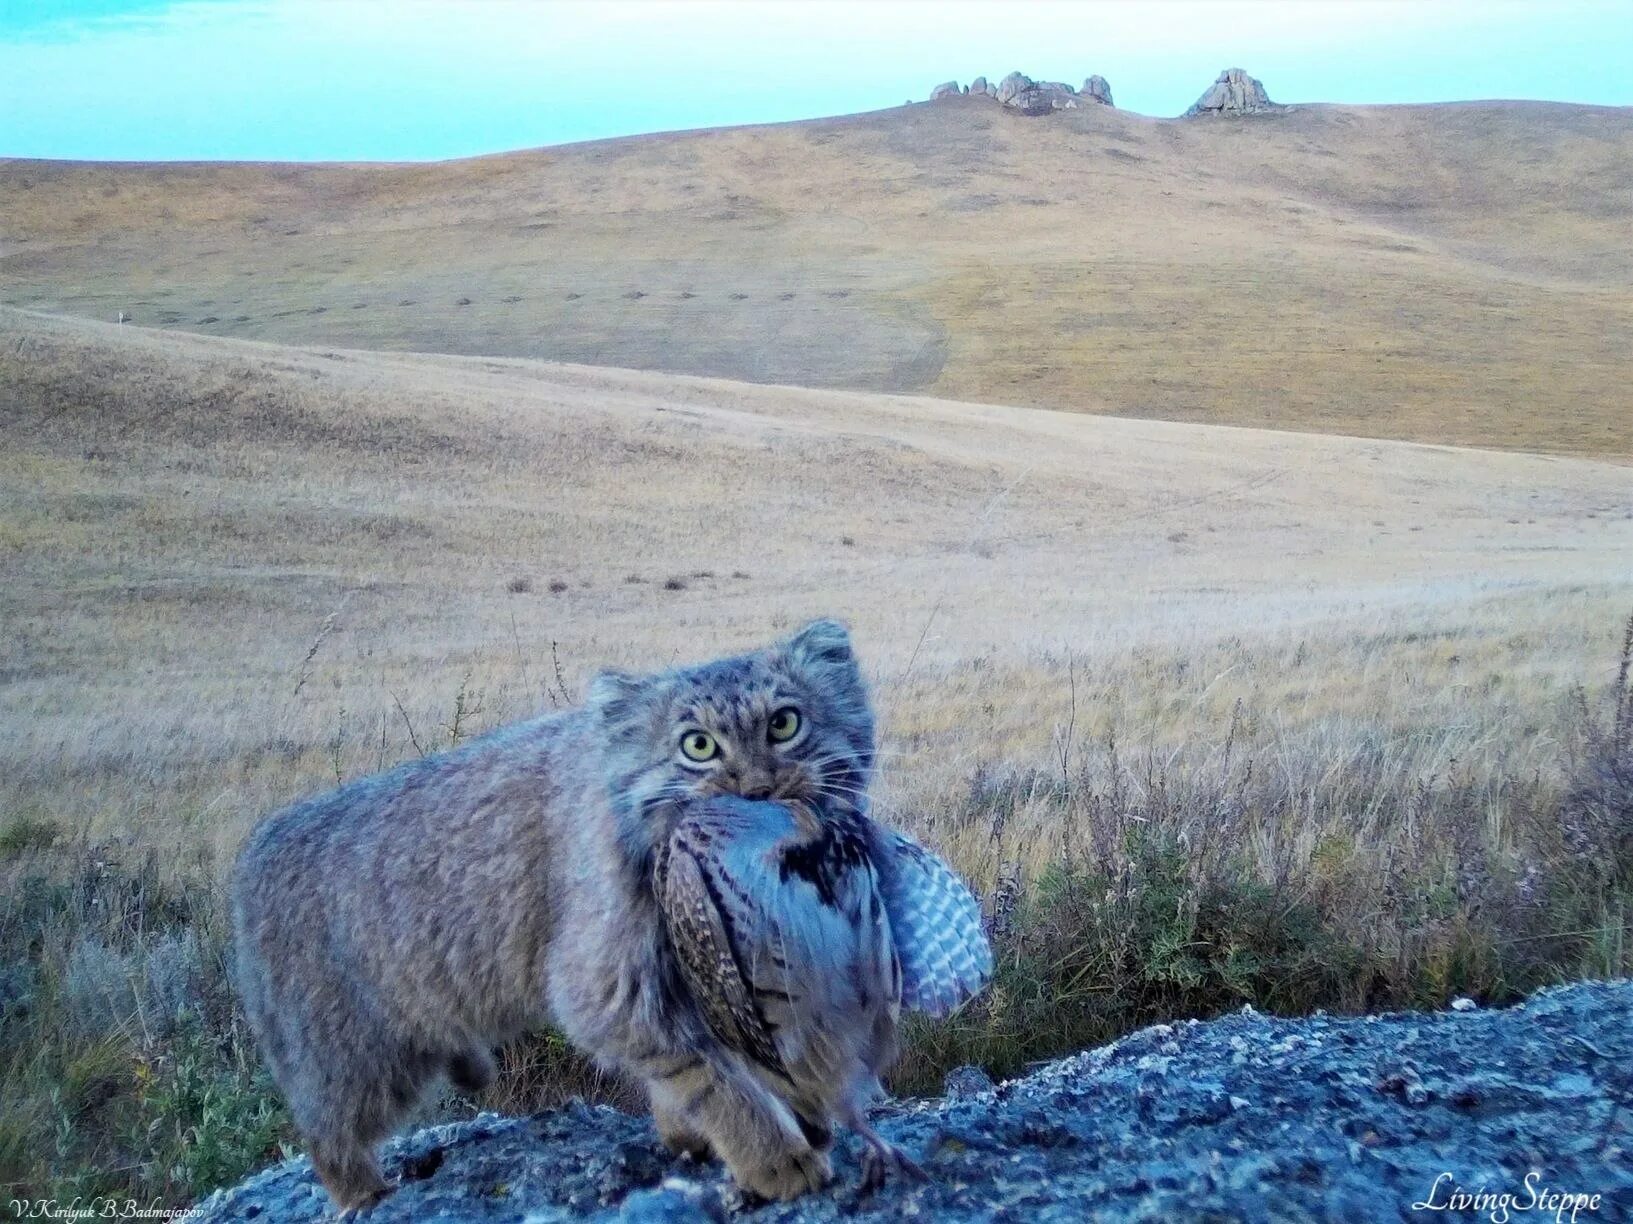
{"x": 1340, "y": 674}
{"x": 187, "y": 519}
{"x": 1451, "y": 274}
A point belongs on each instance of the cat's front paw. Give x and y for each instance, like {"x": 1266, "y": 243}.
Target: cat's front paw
{"x": 679, "y": 1136}
{"x": 789, "y": 1174}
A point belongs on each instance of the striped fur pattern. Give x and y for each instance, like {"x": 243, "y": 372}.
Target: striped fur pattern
{"x": 733, "y": 700}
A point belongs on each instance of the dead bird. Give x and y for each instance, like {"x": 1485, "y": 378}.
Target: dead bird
{"x": 801, "y": 935}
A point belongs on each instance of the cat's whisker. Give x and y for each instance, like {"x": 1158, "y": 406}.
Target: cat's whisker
{"x": 841, "y": 784}
{"x": 856, "y": 793}
{"x": 827, "y": 758}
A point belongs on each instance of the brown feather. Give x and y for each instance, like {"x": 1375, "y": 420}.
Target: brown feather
{"x": 700, "y": 927}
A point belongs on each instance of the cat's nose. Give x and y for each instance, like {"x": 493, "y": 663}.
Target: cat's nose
{"x": 756, "y": 784}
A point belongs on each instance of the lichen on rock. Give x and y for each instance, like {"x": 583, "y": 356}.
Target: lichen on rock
{"x": 1245, "y": 1117}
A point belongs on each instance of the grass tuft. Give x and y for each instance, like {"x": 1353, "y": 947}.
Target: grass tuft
{"x": 1122, "y": 888}
{"x": 24, "y": 833}
{"x": 1174, "y": 893}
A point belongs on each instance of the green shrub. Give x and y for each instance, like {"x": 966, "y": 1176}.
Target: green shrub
{"x": 24, "y": 833}
{"x": 1173, "y": 894}
{"x": 207, "y": 1113}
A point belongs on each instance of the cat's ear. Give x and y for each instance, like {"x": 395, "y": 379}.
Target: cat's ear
{"x": 615, "y": 694}
{"x": 822, "y": 643}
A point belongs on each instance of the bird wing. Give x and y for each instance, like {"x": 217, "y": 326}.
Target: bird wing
{"x": 704, "y": 911}
{"x": 936, "y": 921}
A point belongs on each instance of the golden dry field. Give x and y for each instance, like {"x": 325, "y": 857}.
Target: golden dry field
{"x": 1454, "y": 273}
{"x": 1235, "y": 519}
{"x": 234, "y": 572}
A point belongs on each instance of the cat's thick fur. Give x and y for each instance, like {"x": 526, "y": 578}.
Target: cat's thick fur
{"x": 398, "y": 928}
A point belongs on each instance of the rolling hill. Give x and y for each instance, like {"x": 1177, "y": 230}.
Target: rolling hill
{"x": 1344, "y": 675}
{"x": 395, "y": 454}
{"x": 1452, "y": 273}
{"x": 181, "y": 516}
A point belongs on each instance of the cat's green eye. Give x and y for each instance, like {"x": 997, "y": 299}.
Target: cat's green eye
{"x": 699, "y": 746}
{"x": 784, "y": 725}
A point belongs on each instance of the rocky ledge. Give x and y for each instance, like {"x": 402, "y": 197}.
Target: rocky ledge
{"x": 1021, "y": 92}
{"x": 1246, "y": 1117}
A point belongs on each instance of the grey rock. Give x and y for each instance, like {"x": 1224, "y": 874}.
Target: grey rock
{"x": 963, "y": 1082}
{"x": 1248, "y": 1117}
{"x": 1235, "y": 93}
{"x": 676, "y": 1201}
{"x": 1061, "y": 94}
{"x": 1013, "y": 84}
{"x": 1041, "y": 97}
{"x": 947, "y": 89}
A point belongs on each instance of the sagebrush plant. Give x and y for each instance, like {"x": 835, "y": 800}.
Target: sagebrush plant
{"x": 1122, "y": 887}
{"x": 123, "y": 1071}
{"x": 1174, "y": 893}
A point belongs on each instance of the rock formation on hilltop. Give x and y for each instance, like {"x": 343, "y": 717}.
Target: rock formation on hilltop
{"x": 1235, "y": 93}
{"x": 1041, "y": 97}
{"x": 1097, "y": 89}
{"x": 1021, "y": 92}
{"x": 1248, "y": 1117}
{"x": 1012, "y": 85}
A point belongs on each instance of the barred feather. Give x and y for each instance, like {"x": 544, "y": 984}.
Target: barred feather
{"x": 800, "y": 938}
{"x": 936, "y": 921}
{"x": 785, "y": 946}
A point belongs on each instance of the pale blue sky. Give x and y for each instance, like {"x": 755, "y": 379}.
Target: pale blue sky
{"x": 328, "y": 79}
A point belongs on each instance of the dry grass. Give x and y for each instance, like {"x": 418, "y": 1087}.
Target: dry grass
{"x": 1316, "y": 696}
{"x": 181, "y": 517}
{"x": 1453, "y": 274}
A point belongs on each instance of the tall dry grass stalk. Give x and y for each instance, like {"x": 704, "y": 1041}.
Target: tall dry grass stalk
{"x": 1180, "y": 857}
{"x": 1208, "y": 715}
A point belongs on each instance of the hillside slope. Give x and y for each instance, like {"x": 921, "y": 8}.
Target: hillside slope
{"x": 1453, "y": 273}
{"x": 181, "y": 516}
